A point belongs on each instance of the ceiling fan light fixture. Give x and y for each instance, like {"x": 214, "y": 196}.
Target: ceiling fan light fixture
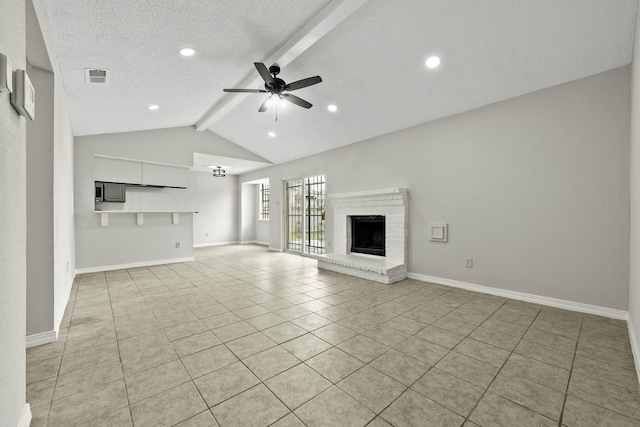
{"x": 187, "y": 51}
{"x": 278, "y": 88}
{"x": 219, "y": 172}
{"x": 433, "y": 61}
{"x": 274, "y": 100}
{"x": 332, "y": 108}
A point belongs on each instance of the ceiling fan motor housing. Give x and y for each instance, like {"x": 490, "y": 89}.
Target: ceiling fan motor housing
{"x": 277, "y": 86}
{"x": 274, "y": 69}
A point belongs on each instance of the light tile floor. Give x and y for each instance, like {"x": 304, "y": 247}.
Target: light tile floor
{"x": 247, "y": 337}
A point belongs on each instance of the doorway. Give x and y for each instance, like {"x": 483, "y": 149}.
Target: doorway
{"x": 305, "y": 215}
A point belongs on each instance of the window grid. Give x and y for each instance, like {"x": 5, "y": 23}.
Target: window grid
{"x": 294, "y": 215}
{"x": 264, "y": 202}
{"x": 315, "y": 214}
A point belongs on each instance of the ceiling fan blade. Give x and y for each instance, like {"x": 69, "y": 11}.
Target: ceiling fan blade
{"x": 264, "y": 105}
{"x": 264, "y": 73}
{"x": 245, "y": 90}
{"x": 303, "y": 83}
{"x": 295, "y": 100}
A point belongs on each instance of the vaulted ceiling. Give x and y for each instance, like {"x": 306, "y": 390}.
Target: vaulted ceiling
{"x": 370, "y": 54}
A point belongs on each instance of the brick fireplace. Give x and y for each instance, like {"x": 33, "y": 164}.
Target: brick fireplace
{"x": 390, "y": 203}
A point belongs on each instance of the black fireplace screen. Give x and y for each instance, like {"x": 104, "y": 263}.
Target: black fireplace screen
{"x": 368, "y": 234}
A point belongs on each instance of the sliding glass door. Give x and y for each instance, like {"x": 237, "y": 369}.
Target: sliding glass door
{"x": 304, "y": 215}
{"x": 294, "y": 215}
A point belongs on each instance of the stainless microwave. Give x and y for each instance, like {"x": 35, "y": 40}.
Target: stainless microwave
{"x": 110, "y": 192}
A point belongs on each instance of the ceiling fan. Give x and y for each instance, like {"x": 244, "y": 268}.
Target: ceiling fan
{"x": 278, "y": 88}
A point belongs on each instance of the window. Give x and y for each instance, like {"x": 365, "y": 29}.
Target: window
{"x": 264, "y": 202}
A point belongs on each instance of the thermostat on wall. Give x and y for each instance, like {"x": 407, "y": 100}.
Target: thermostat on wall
{"x": 23, "y": 97}
{"x": 6, "y": 74}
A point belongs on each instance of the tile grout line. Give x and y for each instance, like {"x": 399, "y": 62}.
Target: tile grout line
{"x": 191, "y": 379}
{"x": 573, "y": 361}
{"x": 55, "y": 385}
{"x": 379, "y": 414}
{"x": 486, "y": 390}
{"x": 126, "y": 389}
{"x": 452, "y": 349}
{"x": 239, "y": 360}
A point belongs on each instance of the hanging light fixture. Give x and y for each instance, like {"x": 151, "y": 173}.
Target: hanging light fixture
{"x": 219, "y": 172}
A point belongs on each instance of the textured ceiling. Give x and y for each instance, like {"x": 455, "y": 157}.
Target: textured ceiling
{"x": 372, "y": 63}
{"x": 138, "y": 41}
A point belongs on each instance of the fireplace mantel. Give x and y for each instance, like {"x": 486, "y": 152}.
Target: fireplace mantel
{"x": 392, "y": 203}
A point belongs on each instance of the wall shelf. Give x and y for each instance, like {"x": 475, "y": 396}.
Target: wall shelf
{"x": 175, "y": 215}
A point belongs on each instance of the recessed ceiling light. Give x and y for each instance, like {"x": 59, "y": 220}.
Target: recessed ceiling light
{"x": 272, "y": 134}
{"x": 187, "y": 51}
{"x": 332, "y": 108}
{"x": 153, "y": 107}
{"x": 433, "y": 61}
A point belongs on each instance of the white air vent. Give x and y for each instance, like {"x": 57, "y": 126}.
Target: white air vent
{"x": 95, "y": 75}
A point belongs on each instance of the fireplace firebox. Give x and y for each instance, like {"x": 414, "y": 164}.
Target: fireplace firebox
{"x": 368, "y": 234}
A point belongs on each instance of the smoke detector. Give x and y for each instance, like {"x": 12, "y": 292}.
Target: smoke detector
{"x": 96, "y": 75}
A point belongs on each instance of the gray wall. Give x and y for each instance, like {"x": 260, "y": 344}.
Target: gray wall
{"x": 634, "y": 267}
{"x": 535, "y": 189}
{"x": 13, "y": 229}
{"x": 253, "y": 230}
{"x": 248, "y": 210}
{"x": 216, "y": 200}
{"x": 64, "y": 254}
{"x": 40, "y": 276}
{"x": 50, "y": 234}
{"x": 123, "y": 242}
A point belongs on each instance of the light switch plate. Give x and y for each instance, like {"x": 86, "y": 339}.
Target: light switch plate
{"x": 23, "y": 97}
{"x": 6, "y": 74}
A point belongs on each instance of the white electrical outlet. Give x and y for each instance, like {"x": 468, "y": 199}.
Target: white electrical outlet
{"x": 469, "y": 262}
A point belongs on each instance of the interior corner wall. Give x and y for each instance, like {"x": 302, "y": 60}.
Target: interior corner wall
{"x": 534, "y": 188}
{"x": 262, "y": 226}
{"x": 50, "y": 189}
{"x": 216, "y": 201}
{"x": 248, "y": 212}
{"x": 40, "y": 245}
{"x": 634, "y": 244}
{"x": 63, "y": 214}
{"x": 14, "y": 227}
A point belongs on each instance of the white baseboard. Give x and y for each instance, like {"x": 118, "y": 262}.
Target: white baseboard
{"x": 521, "y": 296}
{"x": 205, "y": 245}
{"x": 254, "y": 242}
{"x": 41, "y": 338}
{"x": 98, "y": 269}
{"x": 25, "y": 419}
{"x": 635, "y": 346}
{"x": 274, "y": 249}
